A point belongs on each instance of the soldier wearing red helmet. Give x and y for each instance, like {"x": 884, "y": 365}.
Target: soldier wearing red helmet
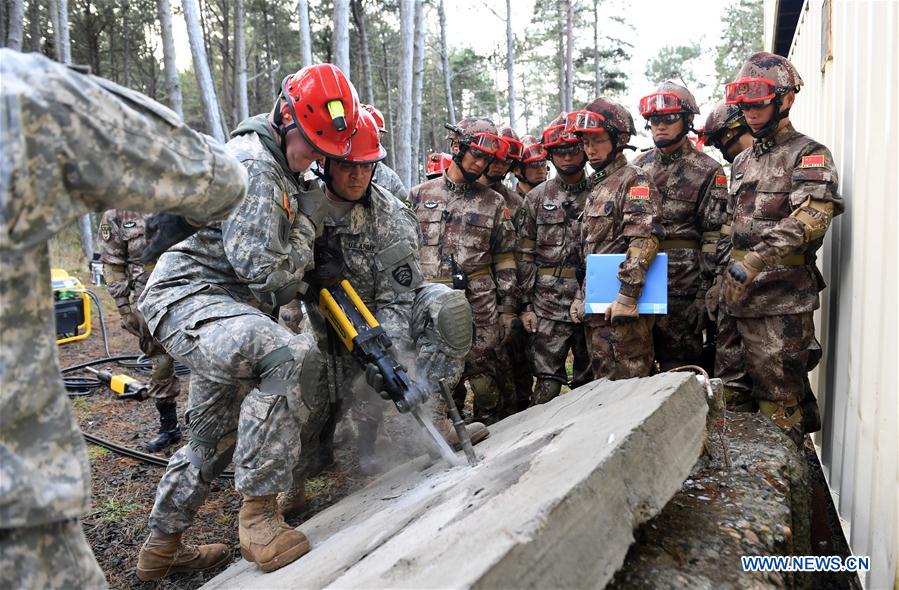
{"x": 468, "y": 242}
{"x": 551, "y": 258}
{"x": 210, "y": 300}
{"x": 783, "y": 196}
{"x": 532, "y": 167}
{"x": 622, "y": 215}
{"x": 694, "y": 196}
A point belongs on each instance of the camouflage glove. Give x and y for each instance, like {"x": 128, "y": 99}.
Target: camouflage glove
{"x": 529, "y": 321}
{"x": 739, "y": 274}
{"x": 130, "y": 321}
{"x": 506, "y": 320}
{"x": 577, "y": 311}
{"x": 164, "y": 230}
{"x": 623, "y": 310}
{"x": 712, "y": 297}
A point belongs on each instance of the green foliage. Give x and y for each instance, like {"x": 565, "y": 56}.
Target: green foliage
{"x": 114, "y": 510}
{"x": 741, "y": 37}
{"x": 474, "y": 92}
{"x": 674, "y": 63}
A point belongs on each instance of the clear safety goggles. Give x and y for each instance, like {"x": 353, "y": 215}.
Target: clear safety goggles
{"x": 514, "y": 148}
{"x": 555, "y": 137}
{"x": 750, "y": 91}
{"x": 584, "y": 122}
{"x": 533, "y": 155}
{"x": 484, "y": 145}
{"x": 659, "y": 103}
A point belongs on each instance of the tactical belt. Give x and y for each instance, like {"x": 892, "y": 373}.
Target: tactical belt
{"x": 710, "y": 241}
{"x": 725, "y": 230}
{"x": 791, "y": 260}
{"x": 566, "y": 272}
{"x": 665, "y": 245}
{"x": 484, "y": 271}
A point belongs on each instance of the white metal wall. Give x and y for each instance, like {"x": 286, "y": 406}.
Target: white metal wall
{"x": 850, "y": 104}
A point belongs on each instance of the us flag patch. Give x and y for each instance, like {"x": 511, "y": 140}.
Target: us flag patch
{"x": 812, "y": 161}
{"x": 639, "y": 192}
{"x": 720, "y": 181}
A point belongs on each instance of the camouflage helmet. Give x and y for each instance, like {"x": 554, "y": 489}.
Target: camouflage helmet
{"x": 477, "y": 133}
{"x": 470, "y": 126}
{"x": 723, "y": 117}
{"x": 533, "y": 150}
{"x": 513, "y": 143}
{"x": 556, "y": 135}
{"x": 668, "y": 98}
{"x": 613, "y": 118}
{"x": 763, "y": 77}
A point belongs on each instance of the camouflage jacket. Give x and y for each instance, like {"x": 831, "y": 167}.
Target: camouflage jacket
{"x": 264, "y": 245}
{"x": 388, "y": 179}
{"x": 768, "y": 183}
{"x": 121, "y": 243}
{"x": 624, "y": 204}
{"x": 377, "y": 240}
{"x": 71, "y": 144}
{"x": 694, "y": 198}
{"x": 470, "y": 225}
{"x": 514, "y": 203}
{"x": 550, "y": 240}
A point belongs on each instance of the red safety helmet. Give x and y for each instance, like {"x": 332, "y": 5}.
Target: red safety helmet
{"x": 379, "y": 117}
{"x": 367, "y": 148}
{"x": 324, "y": 106}
{"x": 533, "y": 150}
{"x": 437, "y": 163}
{"x": 763, "y": 77}
{"x": 556, "y": 136}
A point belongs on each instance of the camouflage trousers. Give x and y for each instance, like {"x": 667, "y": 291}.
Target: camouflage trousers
{"x": 620, "y": 351}
{"x": 250, "y": 380}
{"x": 551, "y": 343}
{"x": 164, "y": 383}
{"x": 677, "y": 336}
{"x": 767, "y": 358}
{"x": 515, "y": 373}
{"x": 54, "y": 555}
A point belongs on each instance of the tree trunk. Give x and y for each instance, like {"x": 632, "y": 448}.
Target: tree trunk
{"x": 404, "y": 114}
{"x": 341, "y": 38}
{"x": 243, "y": 107}
{"x": 524, "y": 100}
{"x": 305, "y": 36}
{"x": 510, "y": 65}
{"x": 560, "y": 13}
{"x": 16, "y": 24}
{"x": 368, "y": 88}
{"x": 391, "y": 137}
{"x": 273, "y": 83}
{"x": 444, "y": 58}
{"x": 34, "y": 11}
{"x": 126, "y": 45}
{"x": 64, "y": 44}
{"x": 201, "y": 69}
{"x": 569, "y": 55}
{"x": 418, "y": 76}
{"x": 172, "y": 81}
{"x": 597, "y": 75}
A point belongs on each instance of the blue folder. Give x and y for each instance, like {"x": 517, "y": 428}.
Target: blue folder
{"x": 603, "y": 284}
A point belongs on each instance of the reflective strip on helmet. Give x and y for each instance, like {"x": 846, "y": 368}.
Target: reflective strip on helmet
{"x": 749, "y": 90}
{"x": 661, "y": 102}
{"x": 584, "y": 121}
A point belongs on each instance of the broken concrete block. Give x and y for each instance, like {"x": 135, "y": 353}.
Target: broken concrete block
{"x": 553, "y": 503}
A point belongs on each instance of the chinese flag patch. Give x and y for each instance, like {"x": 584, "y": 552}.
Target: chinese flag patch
{"x": 812, "y": 161}
{"x": 506, "y": 213}
{"x": 639, "y": 192}
{"x": 720, "y": 181}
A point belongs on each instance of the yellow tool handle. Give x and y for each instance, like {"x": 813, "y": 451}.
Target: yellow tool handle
{"x": 338, "y": 320}
{"x": 119, "y": 383}
{"x": 360, "y": 305}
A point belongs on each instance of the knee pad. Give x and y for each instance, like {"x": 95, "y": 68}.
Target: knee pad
{"x": 297, "y": 363}
{"x": 546, "y": 390}
{"x": 486, "y": 394}
{"x": 444, "y": 316}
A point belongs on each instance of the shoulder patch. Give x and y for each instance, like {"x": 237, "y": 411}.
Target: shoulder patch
{"x": 816, "y": 161}
{"x": 720, "y": 181}
{"x": 431, "y": 204}
{"x": 105, "y": 232}
{"x": 738, "y": 176}
{"x": 506, "y": 213}
{"x": 403, "y": 275}
{"x": 639, "y": 193}
{"x": 549, "y": 206}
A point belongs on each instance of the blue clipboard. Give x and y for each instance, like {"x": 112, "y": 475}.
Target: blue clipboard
{"x": 602, "y": 284}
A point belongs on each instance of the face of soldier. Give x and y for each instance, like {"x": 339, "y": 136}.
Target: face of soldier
{"x": 350, "y": 180}
{"x": 567, "y": 162}
{"x": 535, "y": 172}
{"x": 498, "y": 169}
{"x": 300, "y": 153}
{"x": 758, "y": 116}
{"x": 475, "y": 161}
{"x": 598, "y": 146}
{"x": 663, "y": 130}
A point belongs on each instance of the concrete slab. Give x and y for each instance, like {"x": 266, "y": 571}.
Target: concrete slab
{"x": 553, "y": 503}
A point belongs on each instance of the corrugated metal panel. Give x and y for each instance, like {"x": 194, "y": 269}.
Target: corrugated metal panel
{"x": 849, "y": 103}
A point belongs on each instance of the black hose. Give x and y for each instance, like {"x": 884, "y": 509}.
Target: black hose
{"x": 135, "y": 454}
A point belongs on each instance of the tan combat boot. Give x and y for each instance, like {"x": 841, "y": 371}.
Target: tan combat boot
{"x": 293, "y": 502}
{"x": 163, "y": 554}
{"x": 264, "y": 536}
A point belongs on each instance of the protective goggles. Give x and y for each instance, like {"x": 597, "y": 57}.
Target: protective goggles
{"x": 585, "y": 122}
{"x": 670, "y": 119}
{"x": 534, "y": 154}
{"x": 514, "y": 148}
{"x": 484, "y": 145}
{"x": 660, "y": 102}
{"x": 758, "y": 91}
{"x": 555, "y": 138}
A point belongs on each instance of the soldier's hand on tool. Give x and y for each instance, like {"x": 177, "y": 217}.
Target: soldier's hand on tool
{"x": 712, "y": 297}
{"x": 374, "y": 379}
{"x": 164, "y": 230}
{"x": 577, "y": 311}
{"x": 505, "y": 326}
{"x": 529, "y": 320}
{"x": 623, "y": 310}
{"x": 739, "y": 274}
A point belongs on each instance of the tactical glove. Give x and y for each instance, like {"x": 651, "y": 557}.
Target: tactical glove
{"x": 577, "y": 311}
{"x": 623, "y": 310}
{"x": 164, "y": 230}
{"x": 739, "y": 274}
{"x": 712, "y": 297}
{"x": 529, "y": 321}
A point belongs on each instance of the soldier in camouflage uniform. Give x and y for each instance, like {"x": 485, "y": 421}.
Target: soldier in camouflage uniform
{"x": 623, "y": 214}
{"x": 468, "y": 242}
{"x": 211, "y": 301}
{"x": 783, "y": 196}
{"x": 550, "y": 253}
{"x": 71, "y": 143}
{"x": 122, "y": 242}
{"x": 515, "y": 380}
{"x": 694, "y": 193}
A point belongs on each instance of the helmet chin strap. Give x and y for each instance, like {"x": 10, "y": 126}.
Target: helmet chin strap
{"x": 494, "y": 179}
{"x": 771, "y": 126}
{"x": 670, "y": 142}
{"x": 469, "y": 177}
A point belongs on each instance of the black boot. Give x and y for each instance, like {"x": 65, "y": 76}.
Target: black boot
{"x": 169, "y": 429}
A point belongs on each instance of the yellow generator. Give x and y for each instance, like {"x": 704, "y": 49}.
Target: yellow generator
{"x": 73, "y": 307}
